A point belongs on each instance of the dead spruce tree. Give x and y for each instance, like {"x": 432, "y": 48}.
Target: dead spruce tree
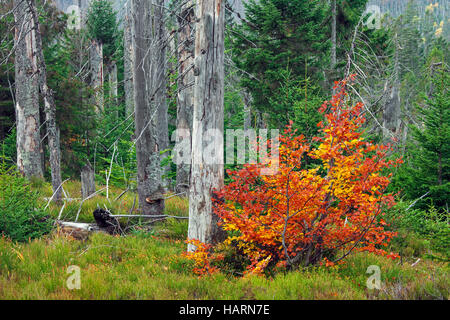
{"x": 97, "y": 76}
{"x": 27, "y": 100}
{"x": 149, "y": 92}
{"x": 333, "y": 33}
{"x": 49, "y": 108}
{"x": 208, "y": 121}
{"x": 128, "y": 60}
{"x": 185, "y": 93}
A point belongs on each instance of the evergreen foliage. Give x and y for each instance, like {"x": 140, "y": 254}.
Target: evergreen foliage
{"x": 102, "y": 25}
{"x": 427, "y": 172}
{"x": 279, "y": 34}
{"x": 21, "y": 218}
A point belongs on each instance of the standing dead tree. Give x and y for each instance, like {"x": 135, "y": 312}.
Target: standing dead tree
{"x": 149, "y": 86}
{"x": 128, "y": 60}
{"x": 375, "y": 84}
{"x": 207, "y": 133}
{"x": 49, "y": 107}
{"x": 185, "y": 94}
{"x": 97, "y": 76}
{"x": 29, "y": 161}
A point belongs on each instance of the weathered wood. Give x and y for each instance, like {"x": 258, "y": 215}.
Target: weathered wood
{"x": 27, "y": 99}
{"x": 105, "y": 221}
{"x": 247, "y": 111}
{"x": 392, "y": 106}
{"x": 78, "y": 225}
{"x": 161, "y": 102}
{"x": 78, "y": 231}
{"x": 207, "y": 132}
{"x": 128, "y": 60}
{"x": 148, "y": 32}
{"x": 87, "y": 181}
{"x": 97, "y": 76}
{"x": 333, "y": 33}
{"x": 49, "y": 108}
{"x": 185, "y": 93}
{"x": 113, "y": 86}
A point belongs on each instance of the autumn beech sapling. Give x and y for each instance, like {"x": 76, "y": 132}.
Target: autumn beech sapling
{"x": 303, "y": 216}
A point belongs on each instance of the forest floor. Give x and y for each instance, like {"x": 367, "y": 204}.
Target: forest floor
{"x": 147, "y": 264}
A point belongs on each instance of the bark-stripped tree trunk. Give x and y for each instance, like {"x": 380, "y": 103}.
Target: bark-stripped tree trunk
{"x": 97, "y": 76}
{"x": 87, "y": 181}
{"x": 159, "y": 82}
{"x": 392, "y": 107}
{"x": 112, "y": 83}
{"x": 146, "y": 25}
{"x": 247, "y": 111}
{"x": 207, "y": 131}
{"x": 333, "y": 33}
{"x": 27, "y": 93}
{"x": 185, "y": 92}
{"x": 49, "y": 108}
{"x": 128, "y": 61}
{"x": 160, "y": 88}
{"x": 163, "y": 137}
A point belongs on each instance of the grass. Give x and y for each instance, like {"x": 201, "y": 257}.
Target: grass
{"x": 136, "y": 267}
{"x": 148, "y": 265}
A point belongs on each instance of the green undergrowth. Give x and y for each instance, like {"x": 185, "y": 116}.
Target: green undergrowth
{"x": 147, "y": 263}
{"x": 151, "y": 267}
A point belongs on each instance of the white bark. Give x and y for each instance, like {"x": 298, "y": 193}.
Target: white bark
{"x": 333, "y": 33}
{"x": 207, "y": 133}
{"x": 49, "y": 108}
{"x": 247, "y": 111}
{"x": 27, "y": 99}
{"x": 87, "y": 181}
{"x": 97, "y": 76}
{"x": 185, "y": 90}
{"x": 113, "y": 89}
{"x": 392, "y": 107}
{"x": 128, "y": 61}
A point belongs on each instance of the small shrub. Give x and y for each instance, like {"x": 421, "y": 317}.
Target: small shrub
{"x": 419, "y": 231}
{"x": 303, "y": 215}
{"x": 21, "y": 218}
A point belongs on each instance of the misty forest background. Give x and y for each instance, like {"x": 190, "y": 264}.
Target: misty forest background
{"x": 102, "y": 103}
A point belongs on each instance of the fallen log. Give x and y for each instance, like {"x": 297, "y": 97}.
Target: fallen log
{"x": 76, "y": 230}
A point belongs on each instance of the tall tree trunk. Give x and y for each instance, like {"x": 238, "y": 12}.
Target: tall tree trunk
{"x": 97, "y": 76}
{"x": 247, "y": 111}
{"x": 128, "y": 61}
{"x": 160, "y": 87}
{"x": 146, "y": 86}
{"x": 392, "y": 107}
{"x": 185, "y": 92}
{"x": 27, "y": 93}
{"x": 49, "y": 108}
{"x": 333, "y": 33}
{"x": 207, "y": 132}
{"x": 87, "y": 181}
{"x": 112, "y": 83}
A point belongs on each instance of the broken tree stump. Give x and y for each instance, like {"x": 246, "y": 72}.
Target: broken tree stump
{"x": 87, "y": 181}
{"x": 107, "y": 222}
